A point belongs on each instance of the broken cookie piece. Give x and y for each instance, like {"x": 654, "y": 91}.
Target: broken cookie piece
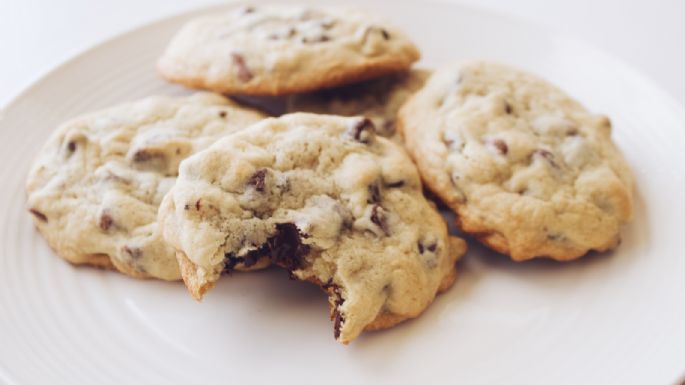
{"x": 304, "y": 193}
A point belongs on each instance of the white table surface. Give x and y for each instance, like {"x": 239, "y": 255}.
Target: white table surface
{"x": 36, "y": 35}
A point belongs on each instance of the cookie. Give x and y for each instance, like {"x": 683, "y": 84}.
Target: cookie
{"x": 378, "y": 99}
{"x": 281, "y": 49}
{"x": 325, "y": 198}
{"x": 528, "y": 170}
{"x": 95, "y": 187}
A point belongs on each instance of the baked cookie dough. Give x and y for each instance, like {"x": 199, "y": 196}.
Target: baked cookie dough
{"x": 325, "y": 198}
{"x": 281, "y": 49}
{"x": 527, "y": 169}
{"x": 96, "y": 185}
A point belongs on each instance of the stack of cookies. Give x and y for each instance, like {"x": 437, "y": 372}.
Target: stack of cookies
{"x": 333, "y": 190}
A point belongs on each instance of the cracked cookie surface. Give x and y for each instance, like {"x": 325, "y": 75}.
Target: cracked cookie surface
{"x": 95, "y": 187}
{"x": 325, "y": 198}
{"x": 528, "y": 170}
{"x": 280, "y": 49}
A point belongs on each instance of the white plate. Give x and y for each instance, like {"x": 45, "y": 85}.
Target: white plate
{"x": 616, "y": 318}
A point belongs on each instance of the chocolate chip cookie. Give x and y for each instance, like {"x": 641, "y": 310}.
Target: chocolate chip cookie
{"x": 279, "y": 49}
{"x": 528, "y": 170}
{"x": 96, "y": 185}
{"x": 378, "y": 99}
{"x": 325, "y": 198}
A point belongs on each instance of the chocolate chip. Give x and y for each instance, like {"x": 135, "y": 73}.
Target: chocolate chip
{"x": 105, "y": 221}
{"x": 286, "y": 246}
{"x": 374, "y": 193}
{"x": 244, "y": 74}
{"x": 38, "y": 215}
{"x": 507, "y": 108}
{"x": 385, "y": 34}
{"x": 251, "y": 258}
{"x": 329, "y": 285}
{"x": 257, "y": 179}
{"x": 501, "y": 146}
{"x": 186, "y": 207}
{"x": 316, "y": 39}
{"x": 71, "y": 146}
{"x": 548, "y": 156}
{"x": 337, "y": 316}
{"x": 337, "y": 322}
{"x": 222, "y": 114}
{"x": 230, "y": 262}
{"x": 144, "y": 156}
{"x": 333, "y": 291}
{"x": 362, "y": 130}
{"x": 198, "y": 204}
{"x": 134, "y": 252}
{"x": 397, "y": 184}
{"x": 431, "y": 247}
{"x": 279, "y": 35}
{"x": 378, "y": 217}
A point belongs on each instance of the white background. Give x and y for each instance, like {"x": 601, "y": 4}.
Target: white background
{"x": 36, "y": 35}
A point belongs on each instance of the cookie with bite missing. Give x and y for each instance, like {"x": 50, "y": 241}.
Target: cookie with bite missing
{"x": 528, "y": 170}
{"x": 377, "y": 99}
{"x": 96, "y": 185}
{"x": 282, "y": 49}
{"x": 325, "y": 198}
